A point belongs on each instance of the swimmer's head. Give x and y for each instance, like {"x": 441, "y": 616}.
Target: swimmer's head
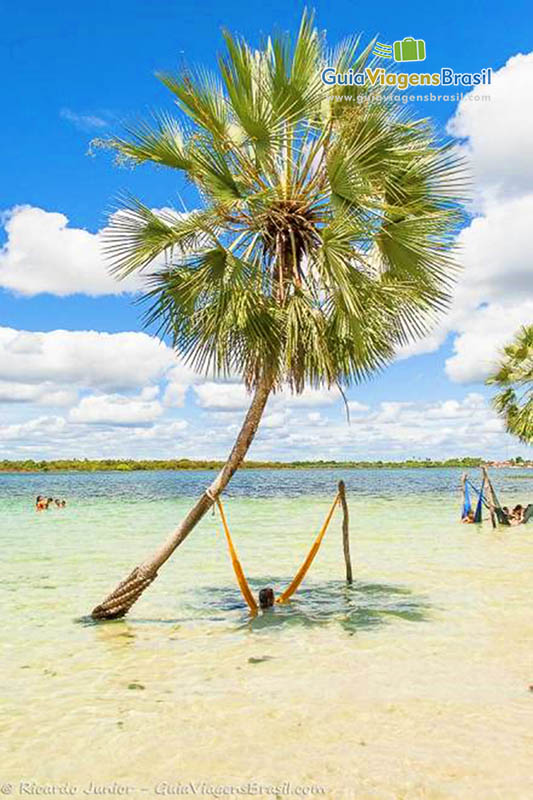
{"x": 266, "y": 597}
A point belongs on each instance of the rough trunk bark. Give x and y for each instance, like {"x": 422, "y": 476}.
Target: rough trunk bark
{"x": 345, "y": 532}
{"x": 119, "y": 602}
{"x": 492, "y": 499}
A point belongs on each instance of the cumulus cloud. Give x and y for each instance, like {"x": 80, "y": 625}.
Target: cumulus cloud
{"x": 34, "y": 433}
{"x": 59, "y": 437}
{"x": 52, "y": 369}
{"x": 494, "y": 295}
{"x": 234, "y": 397}
{"x": 309, "y": 398}
{"x": 222, "y": 396}
{"x": 499, "y": 133}
{"x": 110, "y": 426}
{"x": 43, "y": 394}
{"x": 477, "y": 349}
{"x": 275, "y": 420}
{"x": 178, "y": 381}
{"x": 391, "y": 430}
{"x": 42, "y": 253}
{"x": 356, "y": 407}
{"x": 116, "y": 409}
{"x": 85, "y": 359}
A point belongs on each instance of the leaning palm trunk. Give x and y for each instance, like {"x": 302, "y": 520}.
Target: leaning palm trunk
{"x": 119, "y": 602}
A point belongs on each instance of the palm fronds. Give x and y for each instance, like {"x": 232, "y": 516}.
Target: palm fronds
{"x": 514, "y": 377}
{"x": 325, "y": 236}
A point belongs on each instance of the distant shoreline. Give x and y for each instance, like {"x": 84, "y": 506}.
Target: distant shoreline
{"x": 179, "y": 465}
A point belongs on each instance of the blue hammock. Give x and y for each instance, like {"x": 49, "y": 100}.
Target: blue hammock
{"x": 467, "y": 505}
{"x": 497, "y": 511}
{"x": 481, "y": 501}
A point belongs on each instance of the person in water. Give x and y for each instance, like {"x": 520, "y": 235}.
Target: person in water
{"x": 469, "y": 517}
{"x": 266, "y": 597}
{"x": 517, "y": 514}
{"x": 40, "y": 503}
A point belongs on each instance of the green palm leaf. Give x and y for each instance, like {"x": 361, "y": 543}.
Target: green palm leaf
{"x": 514, "y": 376}
{"x": 325, "y": 239}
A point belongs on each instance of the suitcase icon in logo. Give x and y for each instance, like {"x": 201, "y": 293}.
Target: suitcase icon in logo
{"x": 410, "y": 49}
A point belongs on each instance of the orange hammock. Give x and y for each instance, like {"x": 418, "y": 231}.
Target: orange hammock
{"x": 298, "y": 578}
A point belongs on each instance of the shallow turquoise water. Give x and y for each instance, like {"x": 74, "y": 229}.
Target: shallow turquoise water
{"x": 425, "y": 654}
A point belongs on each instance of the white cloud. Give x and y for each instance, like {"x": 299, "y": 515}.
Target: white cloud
{"x": 115, "y": 426}
{"x": 85, "y": 359}
{"x": 356, "y": 408}
{"x": 59, "y": 437}
{"x": 497, "y": 252}
{"x": 179, "y": 379}
{"x": 115, "y": 409}
{"x": 149, "y": 393}
{"x": 37, "y": 431}
{"x": 44, "y": 394}
{"x": 394, "y": 430}
{"x": 44, "y": 254}
{"x": 494, "y": 295}
{"x": 222, "y": 396}
{"x": 309, "y": 398}
{"x": 85, "y": 122}
{"x": 477, "y": 349}
{"x": 455, "y": 409}
{"x": 275, "y": 420}
{"x": 234, "y": 397}
{"x": 500, "y": 132}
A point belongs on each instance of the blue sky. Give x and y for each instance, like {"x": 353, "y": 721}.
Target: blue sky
{"x": 74, "y": 73}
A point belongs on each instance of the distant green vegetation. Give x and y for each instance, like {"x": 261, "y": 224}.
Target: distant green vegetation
{"x": 130, "y": 465}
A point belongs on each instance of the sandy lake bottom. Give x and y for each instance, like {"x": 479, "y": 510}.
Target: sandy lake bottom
{"x": 413, "y": 683}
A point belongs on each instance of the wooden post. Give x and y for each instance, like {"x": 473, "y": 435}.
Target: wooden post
{"x": 345, "y": 532}
{"x": 492, "y": 501}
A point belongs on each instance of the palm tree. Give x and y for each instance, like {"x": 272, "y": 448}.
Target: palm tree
{"x": 322, "y": 242}
{"x": 514, "y": 377}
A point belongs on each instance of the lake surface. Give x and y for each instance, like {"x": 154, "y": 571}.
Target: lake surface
{"x": 413, "y": 683}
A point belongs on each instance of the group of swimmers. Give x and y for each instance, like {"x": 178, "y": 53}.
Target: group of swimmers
{"x": 43, "y": 503}
{"x": 514, "y": 517}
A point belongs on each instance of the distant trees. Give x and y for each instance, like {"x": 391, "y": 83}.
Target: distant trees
{"x": 130, "y": 465}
